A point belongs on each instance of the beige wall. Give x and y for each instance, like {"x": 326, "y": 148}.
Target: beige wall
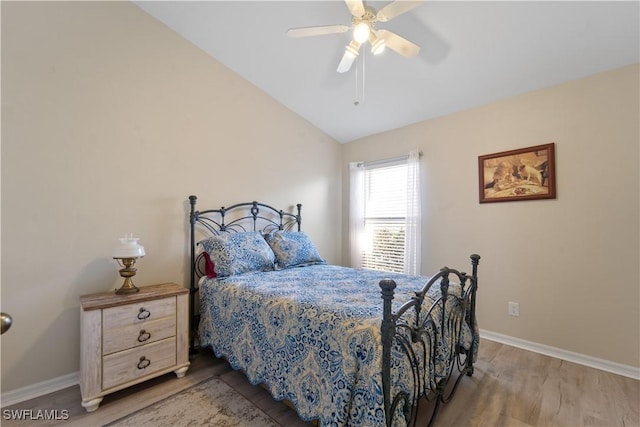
{"x": 87, "y": 85}
{"x": 572, "y": 263}
{"x": 109, "y": 122}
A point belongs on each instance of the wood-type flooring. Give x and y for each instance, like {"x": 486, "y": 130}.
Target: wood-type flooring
{"x": 510, "y": 387}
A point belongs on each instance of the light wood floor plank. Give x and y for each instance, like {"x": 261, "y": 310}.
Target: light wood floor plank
{"x": 510, "y": 387}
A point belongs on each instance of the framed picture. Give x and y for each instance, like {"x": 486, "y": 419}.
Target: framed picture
{"x": 524, "y": 174}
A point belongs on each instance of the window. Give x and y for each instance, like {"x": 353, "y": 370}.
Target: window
{"x": 385, "y": 212}
{"x": 385, "y": 219}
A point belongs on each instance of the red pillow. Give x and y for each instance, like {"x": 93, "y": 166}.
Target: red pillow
{"x": 209, "y": 266}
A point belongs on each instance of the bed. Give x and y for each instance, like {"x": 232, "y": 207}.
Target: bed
{"x": 346, "y": 347}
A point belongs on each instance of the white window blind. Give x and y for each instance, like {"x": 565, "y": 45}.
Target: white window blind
{"x": 385, "y": 212}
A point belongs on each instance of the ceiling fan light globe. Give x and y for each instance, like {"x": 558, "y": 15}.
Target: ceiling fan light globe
{"x": 351, "y": 51}
{"x": 350, "y": 54}
{"x": 377, "y": 47}
{"x": 361, "y": 32}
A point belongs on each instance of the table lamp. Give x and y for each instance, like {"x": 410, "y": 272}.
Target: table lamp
{"x": 126, "y": 254}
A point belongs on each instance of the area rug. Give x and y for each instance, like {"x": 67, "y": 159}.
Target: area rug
{"x": 210, "y": 403}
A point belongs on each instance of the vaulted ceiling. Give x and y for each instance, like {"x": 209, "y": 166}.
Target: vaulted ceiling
{"x": 472, "y": 53}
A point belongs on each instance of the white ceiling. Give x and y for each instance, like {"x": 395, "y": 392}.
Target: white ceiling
{"x": 472, "y": 53}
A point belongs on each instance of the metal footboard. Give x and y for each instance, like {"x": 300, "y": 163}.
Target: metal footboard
{"x": 416, "y": 328}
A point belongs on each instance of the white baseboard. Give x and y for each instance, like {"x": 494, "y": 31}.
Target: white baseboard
{"x": 70, "y": 380}
{"x": 39, "y": 389}
{"x": 569, "y": 356}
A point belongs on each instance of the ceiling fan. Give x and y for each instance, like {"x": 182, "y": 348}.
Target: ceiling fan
{"x": 363, "y": 25}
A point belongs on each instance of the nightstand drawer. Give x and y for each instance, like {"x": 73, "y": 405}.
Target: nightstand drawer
{"x": 136, "y": 314}
{"x": 117, "y": 339}
{"x": 122, "y": 367}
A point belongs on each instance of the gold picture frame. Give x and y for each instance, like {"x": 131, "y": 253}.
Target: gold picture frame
{"x": 524, "y": 174}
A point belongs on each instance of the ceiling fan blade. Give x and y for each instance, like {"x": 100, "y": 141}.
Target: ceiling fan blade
{"x": 317, "y": 31}
{"x": 399, "y": 44}
{"x": 396, "y": 8}
{"x": 356, "y": 7}
{"x": 350, "y": 55}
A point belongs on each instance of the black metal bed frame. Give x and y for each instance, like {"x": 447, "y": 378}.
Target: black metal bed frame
{"x": 395, "y": 328}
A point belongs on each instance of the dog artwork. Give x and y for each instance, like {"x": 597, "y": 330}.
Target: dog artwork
{"x": 530, "y": 174}
{"x": 502, "y": 176}
{"x": 522, "y": 174}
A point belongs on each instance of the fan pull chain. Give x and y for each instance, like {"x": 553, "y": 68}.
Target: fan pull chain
{"x": 356, "y": 102}
{"x": 364, "y": 66}
{"x": 360, "y": 87}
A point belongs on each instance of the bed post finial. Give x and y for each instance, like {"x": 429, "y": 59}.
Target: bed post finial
{"x": 192, "y": 201}
{"x": 475, "y": 260}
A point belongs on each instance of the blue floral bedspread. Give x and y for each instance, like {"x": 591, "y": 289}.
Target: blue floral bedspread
{"x": 312, "y": 336}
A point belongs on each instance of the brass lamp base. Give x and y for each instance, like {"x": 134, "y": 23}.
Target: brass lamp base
{"x": 127, "y": 272}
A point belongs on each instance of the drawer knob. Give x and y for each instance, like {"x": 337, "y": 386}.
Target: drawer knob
{"x": 144, "y": 336}
{"x": 144, "y": 313}
{"x": 143, "y": 363}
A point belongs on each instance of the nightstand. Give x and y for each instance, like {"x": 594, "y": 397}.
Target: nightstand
{"x": 127, "y": 339}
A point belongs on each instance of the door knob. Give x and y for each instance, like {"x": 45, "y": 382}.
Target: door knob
{"x": 5, "y": 321}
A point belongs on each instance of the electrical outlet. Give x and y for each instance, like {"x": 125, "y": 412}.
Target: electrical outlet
{"x": 514, "y": 309}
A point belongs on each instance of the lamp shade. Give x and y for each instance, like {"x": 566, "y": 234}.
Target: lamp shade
{"x": 129, "y": 248}
{"x": 377, "y": 44}
{"x": 361, "y": 32}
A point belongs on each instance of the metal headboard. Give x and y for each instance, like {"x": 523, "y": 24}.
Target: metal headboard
{"x": 241, "y": 217}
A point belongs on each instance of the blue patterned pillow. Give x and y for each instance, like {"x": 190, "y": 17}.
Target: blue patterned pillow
{"x": 293, "y": 249}
{"x": 237, "y": 253}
